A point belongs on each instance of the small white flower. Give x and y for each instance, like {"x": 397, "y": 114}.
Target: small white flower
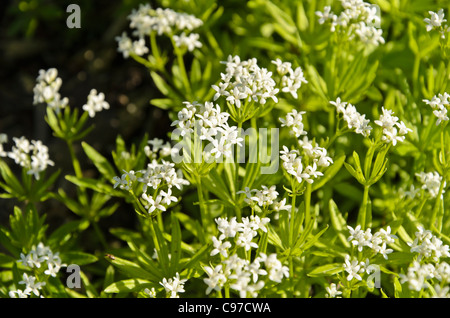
{"x": 95, "y": 103}
{"x": 173, "y": 286}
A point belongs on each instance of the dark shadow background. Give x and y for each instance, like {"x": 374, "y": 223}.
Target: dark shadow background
{"x": 33, "y": 36}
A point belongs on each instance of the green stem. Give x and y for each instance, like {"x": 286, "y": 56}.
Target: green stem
{"x": 75, "y": 162}
{"x": 100, "y": 235}
{"x": 292, "y": 215}
{"x": 206, "y": 217}
{"x": 308, "y": 192}
{"x": 437, "y": 203}
{"x": 363, "y": 212}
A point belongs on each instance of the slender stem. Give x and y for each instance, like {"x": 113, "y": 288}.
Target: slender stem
{"x": 206, "y": 218}
{"x": 363, "y": 212}
{"x": 75, "y": 162}
{"x": 293, "y": 211}
{"x": 438, "y": 202}
{"x": 100, "y": 235}
{"x": 308, "y": 202}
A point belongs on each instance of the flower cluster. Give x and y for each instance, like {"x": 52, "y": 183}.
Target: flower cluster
{"x": 95, "y": 103}
{"x": 439, "y": 104}
{"x": 358, "y": 18}
{"x": 157, "y": 176}
{"x": 431, "y": 182}
{"x": 418, "y": 274}
{"x": 291, "y": 79}
{"x": 172, "y": 286}
{"x": 190, "y": 41}
{"x": 264, "y": 197}
{"x": 247, "y": 81}
{"x": 352, "y": 117}
{"x": 146, "y": 20}
{"x": 377, "y": 242}
{"x": 355, "y": 269}
{"x": 332, "y": 291}
{"x": 428, "y": 245}
{"x": 209, "y": 123}
{"x": 32, "y": 155}
{"x": 435, "y": 22}
{"x": 242, "y": 275}
{"x": 38, "y": 256}
{"x": 393, "y": 129}
{"x": 157, "y": 148}
{"x": 47, "y": 88}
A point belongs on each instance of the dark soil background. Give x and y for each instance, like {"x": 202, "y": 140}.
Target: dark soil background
{"x": 33, "y": 36}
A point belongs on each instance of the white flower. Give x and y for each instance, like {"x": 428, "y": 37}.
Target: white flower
{"x": 95, "y": 103}
{"x": 220, "y": 247}
{"x": 31, "y": 286}
{"x": 47, "y": 88}
{"x": 332, "y": 291}
{"x": 216, "y": 278}
{"x": 18, "y": 294}
{"x": 431, "y": 182}
{"x": 281, "y": 205}
{"x": 125, "y": 44}
{"x": 190, "y": 42}
{"x": 325, "y": 15}
{"x": 435, "y": 20}
{"x": 168, "y": 198}
{"x": 153, "y": 204}
{"x": 174, "y": 285}
{"x": 352, "y": 268}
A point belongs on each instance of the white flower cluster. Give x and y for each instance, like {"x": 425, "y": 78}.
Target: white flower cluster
{"x": 190, "y": 41}
{"x": 243, "y": 233}
{"x": 332, "y": 291}
{"x": 418, "y": 274}
{"x": 157, "y": 148}
{"x": 377, "y": 241}
{"x": 315, "y": 154}
{"x": 95, "y": 103}
{"x": 428, "y": 245}
{"x": 156, "y": 176}
{"x": 146, "y": 20}
{"x": 264, "y": 198}
{"x": 358, "y": 18}
{"x": 47, "y": 88}
{"x": 172, "y": 286}
{"x": 242, "y": 275}
{"x": 354, "y": 268}
{"x": 247, "y": 81}
{"x": 431, "y": 182}
{"x": 210, "y": 123}
{"x": 294, "y": 120}
{"x": 393, "y": 129}
{"x": 292, "y": 79}
{"x": 353, "y": 118}
{"x": 435, "y": 22}
{"x": 36, "y": 258}
{"x": 32, "y": 155}
{"x": 439, "y": 104}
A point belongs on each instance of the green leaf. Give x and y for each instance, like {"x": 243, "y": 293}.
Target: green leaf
{"x": 62, "y": 234}
{"x": 102, "y": 164}
{"x": 128, "y": 286}
{"x": 78, "y": 258}
{"x": 129, "y": 268}
{"x": 329, "y": 173}
{"x": 326, "y": 270}
{"x": 175, "y": 244}
{"x": 338, "y": 222}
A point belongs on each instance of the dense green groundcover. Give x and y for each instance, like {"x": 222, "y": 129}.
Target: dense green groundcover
{"x": 307, "y": 155}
